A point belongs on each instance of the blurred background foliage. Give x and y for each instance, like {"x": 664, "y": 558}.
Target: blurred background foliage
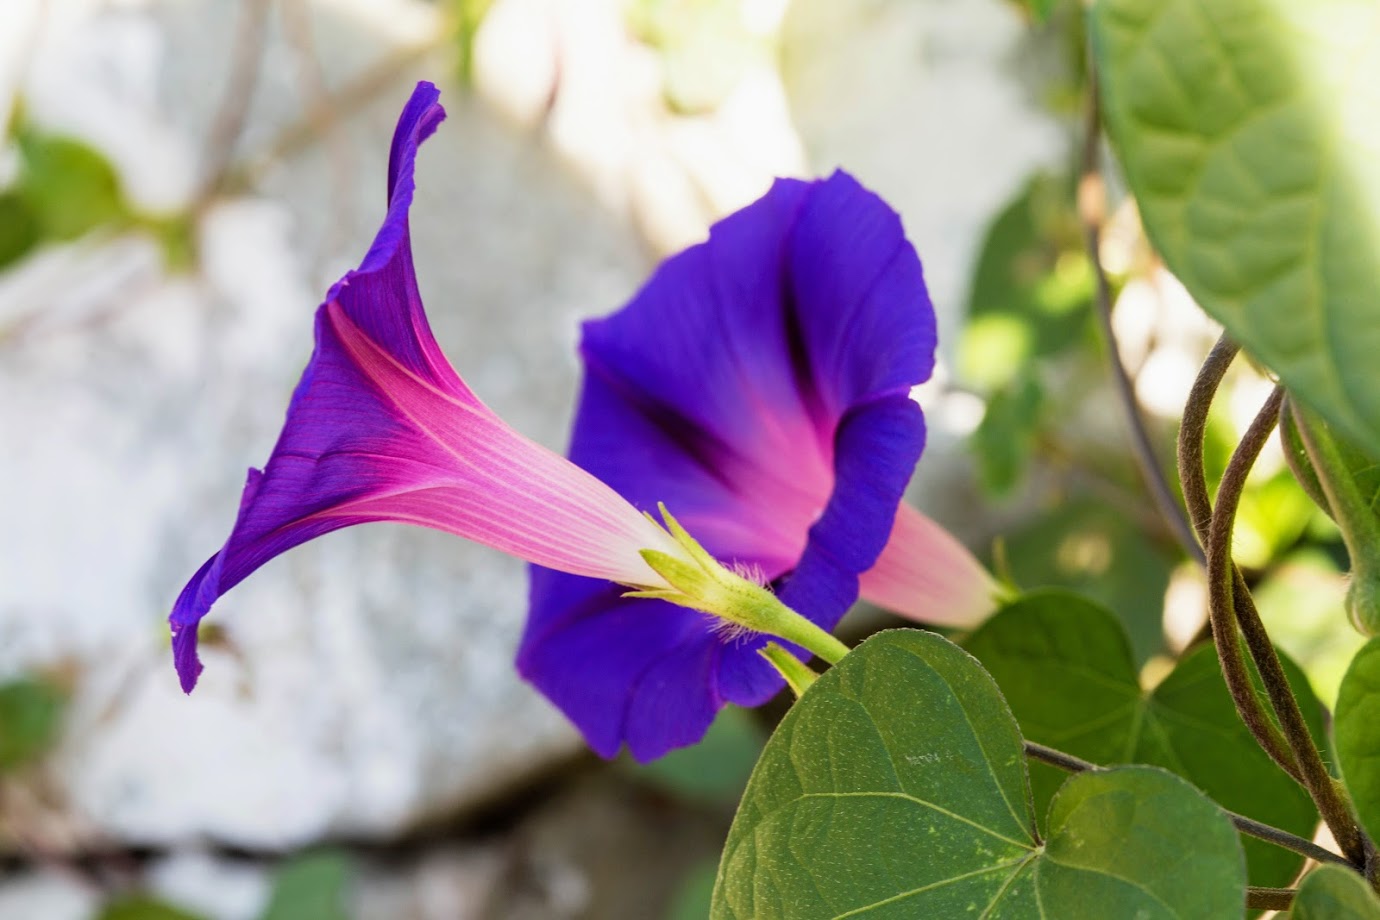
{"x": 1066, "y": 505}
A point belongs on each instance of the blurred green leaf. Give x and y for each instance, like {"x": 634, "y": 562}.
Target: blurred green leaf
{"x": 19, "y": 227}
{"x": 177, "y": 237}
{"x": 716, "y": 769}
{"x": 70, "y": 186}
{"x": 1255, "y": 162}
{"x": 1274, "y": 514}
{"x": 469, "y": 16}
{"x": 1032, "y": 287}
{"x": 692, "y": 899}
{"x": 1300, "y": 601}
{"x": 142, "y": 907}
{"x": 1039, "y": 10}
{"x": 30, "y": 720}
{"x": 1065, "y": 667}
{"x": 310, "y": 887}
{"x": 1097, "y": 551}
{"x": 1334, "y": 893}
{"x": 1005, "y": 439}
{"x": 896, "y": 787}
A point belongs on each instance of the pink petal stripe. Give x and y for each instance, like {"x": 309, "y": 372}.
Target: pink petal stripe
{"x": 925, "y": 574}
{"x": 498, "y": 487}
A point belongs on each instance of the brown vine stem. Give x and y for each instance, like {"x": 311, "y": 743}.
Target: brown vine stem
{"x": 1092, "y": 211}
{"x": 1269, "y": 898}
{"x": 1243, "y": 824}
{"x": 1193, "y": 431}
{"x": 1229, "y": 600}
{"x": 1223, "y": 617}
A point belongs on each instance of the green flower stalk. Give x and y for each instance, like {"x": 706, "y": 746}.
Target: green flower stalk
{"x": 701, "y": 582}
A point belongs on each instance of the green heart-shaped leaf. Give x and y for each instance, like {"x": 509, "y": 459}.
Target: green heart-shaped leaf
{"x": 1065, "y": 665}
{"x": 1334, "y": 893}
{"x": 896, "y": 788}
{"x": 1247, "y": 130}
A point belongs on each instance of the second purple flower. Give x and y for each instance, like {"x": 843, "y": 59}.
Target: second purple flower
{"x": 759, "y": 385}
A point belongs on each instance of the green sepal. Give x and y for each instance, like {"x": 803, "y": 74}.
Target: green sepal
{"x": 701, "y": 582}
{"x": 799, "y": 676}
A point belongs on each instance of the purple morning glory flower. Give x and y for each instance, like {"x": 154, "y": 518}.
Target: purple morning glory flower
{"x": 381, "y": 428}
{"x": 759, "y": 385}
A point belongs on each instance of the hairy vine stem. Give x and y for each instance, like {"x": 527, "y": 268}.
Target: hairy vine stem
{"x": 1222, "y": 616}
{"x": 1193, "y": 431}
{"x": 1269, "y": 898}
{"x": 1092, "y": 212}
{"x": 1229, "y": 601}
{"x": 1243, "y": 824}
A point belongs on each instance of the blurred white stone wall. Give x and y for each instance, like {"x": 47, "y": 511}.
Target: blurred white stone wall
{"x": 365, "y": 682}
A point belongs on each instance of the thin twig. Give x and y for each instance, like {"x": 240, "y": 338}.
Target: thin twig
{"x": 1244, "y": 824}
{"x": 234, "y": 105}
{"x": 1092, "y": 211}
{"x": 350, "y": 96}
{"x": 1057, "y": 758}
{"x": 1228, "y": 599}
{"x": 324, "y": 118}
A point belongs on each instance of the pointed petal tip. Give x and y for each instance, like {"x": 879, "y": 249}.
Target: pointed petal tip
{"x": 185, "y": 658}
{"x": 418, "y": 121}
{"x": 201, "y": 592}
{"x": 423, "y": 112}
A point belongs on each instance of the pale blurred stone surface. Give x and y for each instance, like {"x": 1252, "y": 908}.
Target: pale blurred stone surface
{"x": 47, "y": 894}
{"x": 211, "y": 886}
{"x": 575, "y": 69}
{"x": 921, "y": 101}
{"x": 367, "y": 679}
{"x": 366, "y": 683}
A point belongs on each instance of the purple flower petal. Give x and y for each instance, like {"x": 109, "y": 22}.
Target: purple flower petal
{"x": 381, "y": 428}
{"x": 759, "y": 386}
{"x": 878, "y": 445}
{"x": 641, "y": 672}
